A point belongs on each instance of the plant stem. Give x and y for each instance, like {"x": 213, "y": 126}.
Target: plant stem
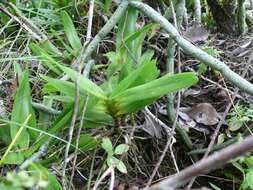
{"x": 170, "y": 69}
{"x": 197, "y": 11}
{"x": 241, "y": 16}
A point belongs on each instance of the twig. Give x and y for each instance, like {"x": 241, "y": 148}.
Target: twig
{"x": 35, "y": 157}
{"x": 109, "y": 171}
{"x": 91, "y": 169}
{"x": 210, "y": 163}
{"x": 28, "y": 22}
{"x": 86, "y": 73}
{"x": 194, "y": 51}
{"x": 161, "y": 123}
{"x": 81, "y": 122}
{"x": 90, "y": 18}
{"x": 21, "y": 23}
{"x": 5, "y": 82}
{"x": 71, "y": 127}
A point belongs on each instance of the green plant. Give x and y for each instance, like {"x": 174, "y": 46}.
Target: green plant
{"x": 36, "y": 176}
{"x": 245, "y": 166}
{"x": 131, "y": 78}
{"x": 239, "y": 115}
{"x": 111, "y": 160}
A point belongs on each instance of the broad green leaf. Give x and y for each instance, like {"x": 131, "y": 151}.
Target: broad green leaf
{"x": 112, "y": 161}
{"x": 86, "y": 142}
{"x": 47, "y": 60}
{"x": 145, "y": 73}
{"x": 44, "y": 118}
{"x": 249, "y": 178}
{"x": 59, "y": 123}
{"x": 86, "y": 85}
{"x": 96, "y": 117}
{"x": 70, "y": 31}
{"x": 5, "y": 187}
{"x": 107, "y": 5}
{"x": 22, "y": 108}
{"x": 138, "y": 38}
{"x": 5, "y": 135}
{"x": 121, "y": 167}
{"x": 120, "y": 149}
{"x": 127, "y": 26}
{"x": 14, "y": 158}
{"x": 107, "y": 145}
{"x": 147, "y": 93}
{"x": 18, "y": 71}
{"x": 147, "y": 56}
{"x": 65, "y": 87}
{"x": 50, "y": 48}
{"x": 115, "y": 63}
{"x": 44, "y": 176}
{"x": 215, "y": 187}
{"x": 249, "y": 161}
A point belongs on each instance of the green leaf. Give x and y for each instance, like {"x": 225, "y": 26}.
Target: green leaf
{"x": 15, "y": 158}
{"x": 215, "y": 187}
{"x": 145, "y": 73}
{"x": 86, "y": 142}
{"x": 249, "y": 178}
{"x": 127, "y": 26}
{"x": 65, "y": 87}
{"x": 18, "y": 71}
{"x": 137, "y": 38}
{"x": 249, "y": 161}
{"x": 86, "y": 85}
{"x": 120, "y": 149}
{"x": 50, "y": 48}
{"x": 44, "y": 118}
{"x": 47, "y": 60}
{"x": 135, "y": 98}
{"x": 240, "y": 168}
{"x": 43, "y": 175}
{"x": 22, "y": 108}
{"x": 107, "y": 145}
{"x": 70, "y": 31}
{"x": 5, "y": 187}
{"x": 59, "y": 123}
{"x": 121, "y": 167}
{"x": 111, "y": 161}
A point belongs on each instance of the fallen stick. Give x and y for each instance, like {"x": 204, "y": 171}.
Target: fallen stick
{"x": 212, "y": 162}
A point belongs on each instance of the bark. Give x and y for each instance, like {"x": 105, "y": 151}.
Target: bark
{"x": 223, "y": 16}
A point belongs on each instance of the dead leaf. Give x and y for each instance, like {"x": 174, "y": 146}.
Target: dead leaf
{"x": 151, "y": 127}
{"x": 196, "y": 33}
{"x": 242, "y": 50}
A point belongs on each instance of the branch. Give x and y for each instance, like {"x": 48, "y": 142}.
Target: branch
{"x": 203, "y": 166}
{"x": 189, "y": 48}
